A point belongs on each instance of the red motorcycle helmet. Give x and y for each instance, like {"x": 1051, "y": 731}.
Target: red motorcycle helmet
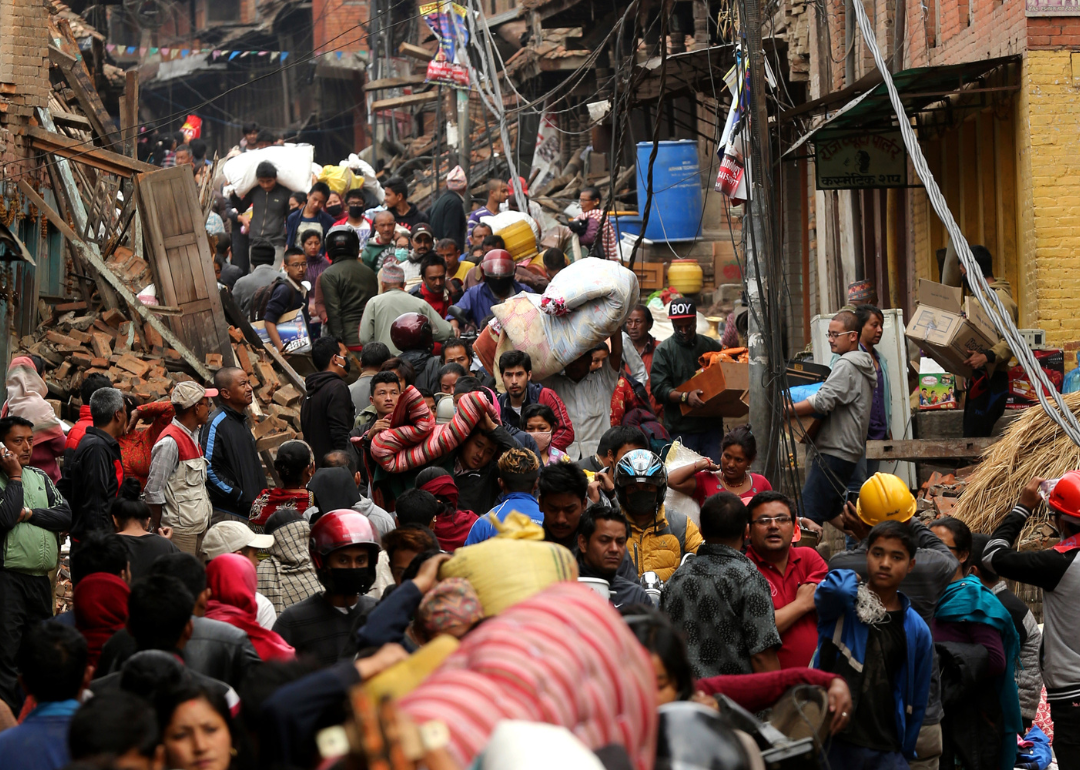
{"x": 1065, "y": 499}
{"x": 412, "y": 331}
{"x": 340, "y": 529}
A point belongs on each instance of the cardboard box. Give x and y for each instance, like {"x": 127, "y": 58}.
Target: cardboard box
{"x": 725, "y": 390}
{"x": 937, "y": 390}
{"x": 1022, "y": 390}
{"x": 949, "y": 327}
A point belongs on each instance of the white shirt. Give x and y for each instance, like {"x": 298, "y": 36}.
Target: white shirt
{"x": 588, "y": 403}
{"x": 265, "y": 615}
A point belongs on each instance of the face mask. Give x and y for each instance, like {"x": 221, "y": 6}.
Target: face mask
{"x": 349, "y": 581}
{"x": 355, "y": 212}
{"x": 640, "y": 503}
{"x": 500, "y": 286}
{"x": 348, "y": 363}
{"x": 335, "y": 210}
{"x": 401, "y": 254}
{"x": 685, "y": 337}
{"x": 542, "y": 439}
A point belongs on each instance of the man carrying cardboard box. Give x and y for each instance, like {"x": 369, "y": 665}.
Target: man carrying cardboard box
{"x": 846, "y": 399}
{"x": 988, "y": 387}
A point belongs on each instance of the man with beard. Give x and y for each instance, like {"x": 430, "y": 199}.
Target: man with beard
{"x": 423, "y": 243}
{"x": 499, "y": 285}
{"x": 515, "y": 368}
{"x": 602, "y": 536}
{"x": 344, "y": 550}
{"x": 674, "y": 362}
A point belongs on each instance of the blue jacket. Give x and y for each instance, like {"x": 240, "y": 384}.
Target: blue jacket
{"x": 522, "y": 502}
{"x": 476, "y": 303}
{"x": 837, "y": 622}
{"x": 296, "y": 218}
{"x": 40, "y": 742}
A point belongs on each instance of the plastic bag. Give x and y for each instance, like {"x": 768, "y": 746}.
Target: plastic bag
{"x": 338, "y": 179}
{"x": 292, "y": 161}
{"x": 677, "y": 457}
{"x": 364, "y": 175}
{"x": 1072, "y": 379}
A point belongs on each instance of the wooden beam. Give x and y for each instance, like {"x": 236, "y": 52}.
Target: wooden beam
{"x": 88, "y": 251}
{"x": 383, "y": 83}
{"x": 404, "y": 101}
{"x": 415, "y": 52}
{"x": 78, "y": 79}
{"x": 929, "y": 449}
{"x": 129, "y": 112}
{"x": 73, "y": 149}
{"x": 71, "y": 120}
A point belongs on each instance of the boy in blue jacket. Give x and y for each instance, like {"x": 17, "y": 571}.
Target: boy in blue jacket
{"x": 868, "y": 634}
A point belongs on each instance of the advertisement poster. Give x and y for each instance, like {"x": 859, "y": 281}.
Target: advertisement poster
{"x": 293, "y": 332}
{"x": 546, "y": 163}
{"x": 450, "y": 65}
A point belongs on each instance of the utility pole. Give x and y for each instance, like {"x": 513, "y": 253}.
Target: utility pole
{"x": 464, "y": 139}
{"x": 761, "y": 254}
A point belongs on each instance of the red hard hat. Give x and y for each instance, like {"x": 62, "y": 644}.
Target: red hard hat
{"x": 340, "y": 529}
{"x": 412, "y": 331}
{"x": 1065, "y": 499}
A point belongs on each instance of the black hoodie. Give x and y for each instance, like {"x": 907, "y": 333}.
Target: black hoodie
{"x": 327, "y": 414}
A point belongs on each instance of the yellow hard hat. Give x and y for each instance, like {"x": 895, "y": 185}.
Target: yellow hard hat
{"x": 885, "y": 497}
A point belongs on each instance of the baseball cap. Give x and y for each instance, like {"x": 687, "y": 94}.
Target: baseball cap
{"x": 189, "y": 393}
{"x": 497, "y": 263}
{"x": 230, "y": 537}
{"x": 423, "y": 229}
{"x": 681, "y": 307}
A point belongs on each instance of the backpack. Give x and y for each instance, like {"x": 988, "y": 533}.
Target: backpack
{"x": 261, "y": 298}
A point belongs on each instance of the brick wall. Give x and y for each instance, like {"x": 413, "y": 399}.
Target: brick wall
{"x": 339, "y": 17}
{"x": 967, "y": 31}
{"x": 24, "y": 70}
{"x": 1050, "y": 194}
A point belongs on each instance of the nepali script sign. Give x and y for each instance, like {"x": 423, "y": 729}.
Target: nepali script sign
{"x": 848, "y": 161}
{"x": 1052, "y": 8}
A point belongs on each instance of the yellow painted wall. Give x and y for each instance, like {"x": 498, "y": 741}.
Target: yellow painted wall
{"x": 1048, "y": 142}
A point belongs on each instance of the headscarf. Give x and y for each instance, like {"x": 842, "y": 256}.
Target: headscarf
{"x": 444, "y": 487}
{"x": 231, "y": 579}
{"x": 288, "y": 576}
{"x": 334, "y": 489}
{"x": 452, "y": 605}
{"x": 26, "y": 393}
{"x": 101, "y": 610}
{"x": 456, "y": 180}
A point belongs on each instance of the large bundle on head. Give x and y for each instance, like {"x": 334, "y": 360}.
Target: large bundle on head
{"x": 583, "y": 305}
{"x": 292, "y": 162}
{"x": 1033, "y": 445}
{"x": 563, "y": 657}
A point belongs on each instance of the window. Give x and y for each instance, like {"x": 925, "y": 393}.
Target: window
{"x": 222, "y": 10}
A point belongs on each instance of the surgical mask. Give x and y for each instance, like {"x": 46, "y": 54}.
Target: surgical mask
{"x": 335, "y": 210}
{"x": 542, "y": 439}
{"x": 348, "y": 363}
{"x": 685, "y": 337}
{"x": 640, "y": 503}
{"x": 355, "y": 212}
{"x": 500, "y": 286}
{"x": 349, "y": 581}
{"x": 401, "y": 254}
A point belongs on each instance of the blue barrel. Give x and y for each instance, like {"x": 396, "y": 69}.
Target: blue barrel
{"x": 676, "y": 204}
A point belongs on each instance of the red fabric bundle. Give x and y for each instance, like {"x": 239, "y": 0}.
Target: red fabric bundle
{"x": 101, "y": 610}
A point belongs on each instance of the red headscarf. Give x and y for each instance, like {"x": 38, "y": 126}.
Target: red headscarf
{"x": 232, "y": 580}
{"x": 101, "y": 610}
{"x": 451, "y": 530}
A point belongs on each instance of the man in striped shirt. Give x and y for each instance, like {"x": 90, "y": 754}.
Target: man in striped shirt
{"x": 598, "y": 226}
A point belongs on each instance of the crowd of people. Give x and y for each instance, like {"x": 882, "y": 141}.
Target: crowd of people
{"x": 222, "y": 609}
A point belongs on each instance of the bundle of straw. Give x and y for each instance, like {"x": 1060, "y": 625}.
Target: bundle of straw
{"x": 1033, "y": 445}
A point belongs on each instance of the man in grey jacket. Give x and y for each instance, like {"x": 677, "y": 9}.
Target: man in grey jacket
{"x": 845, "y": 400}
{"x": 269, "y": 202}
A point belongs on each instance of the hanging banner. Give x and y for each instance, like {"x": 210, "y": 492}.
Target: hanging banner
{"x": 450, "y": 65}
{"x": 859, "y": 161}
{"x": 545, "y": 162}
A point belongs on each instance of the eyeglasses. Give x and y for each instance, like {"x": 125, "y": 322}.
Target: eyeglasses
{"x": 766, "y": 521}
{"x": 834, "y": 335}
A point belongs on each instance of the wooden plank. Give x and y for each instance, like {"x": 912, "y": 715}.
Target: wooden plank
{"x": 73, "y": 149}
{"x": 1007, "y": 220}
{"x": 169, "y": 206}
{"x": 415, "y": 52}
{"x": 404, "y": 101}
{"x": 929, "y": 449}
{"x": 382, "y": 84}
{"x": 79, "y": 81}
{"x": 129, "y": 112}
{"x": 71, "y": 120}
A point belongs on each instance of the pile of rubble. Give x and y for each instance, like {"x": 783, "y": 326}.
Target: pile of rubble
{"x": 77, "y": 341}
{"x": 940, "y": 493}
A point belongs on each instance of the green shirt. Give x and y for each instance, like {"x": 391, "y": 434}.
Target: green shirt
{"x": 672, "y": 365}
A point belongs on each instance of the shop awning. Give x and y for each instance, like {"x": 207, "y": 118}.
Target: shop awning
{"x": 919, "y": 88}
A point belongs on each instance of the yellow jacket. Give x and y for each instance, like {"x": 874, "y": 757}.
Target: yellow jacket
{"x": 657, "y": 549}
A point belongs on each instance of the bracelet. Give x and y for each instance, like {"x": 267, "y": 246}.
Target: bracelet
{"x": 685, "y": 396}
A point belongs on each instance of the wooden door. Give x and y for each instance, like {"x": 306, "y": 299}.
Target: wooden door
{"x": 180, "y": 259}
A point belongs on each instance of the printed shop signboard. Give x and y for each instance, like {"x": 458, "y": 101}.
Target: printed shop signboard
{"x": 1052, "y": 7}
{"x": 860, "y": 161}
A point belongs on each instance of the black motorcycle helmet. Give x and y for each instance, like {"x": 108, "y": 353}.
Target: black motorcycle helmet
{"x": 342, "y": 241}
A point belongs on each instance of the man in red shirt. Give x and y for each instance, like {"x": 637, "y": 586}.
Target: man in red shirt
{"x": 90, "y": 385}
{"x": 793, "y": 575}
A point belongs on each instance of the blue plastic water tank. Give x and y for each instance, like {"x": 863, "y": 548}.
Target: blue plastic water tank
{"x": 676, "y": 204}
